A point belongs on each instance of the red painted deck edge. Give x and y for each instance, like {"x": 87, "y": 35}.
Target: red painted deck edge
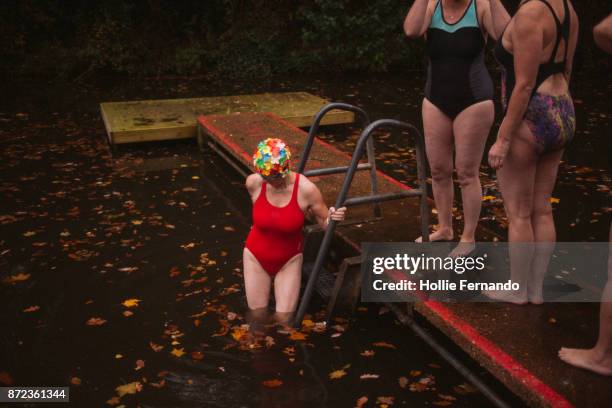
{"x": 501, "y": 358}
{"x": 205, "y": 122}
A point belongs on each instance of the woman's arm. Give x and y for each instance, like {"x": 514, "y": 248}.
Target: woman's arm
{"x": 418, "y": 18}
{"x": 253, "y": 184}
{"x": 495, "y": 17}
{"x": 317, "y": 207}
{"x": 602, "y": 33}
{"x": 527, "y": 40}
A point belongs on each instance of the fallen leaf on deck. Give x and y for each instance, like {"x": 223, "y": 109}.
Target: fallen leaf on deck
{"x": 403, "y": 382}
{"x": 139, "y": 365}
{"x": 369, "y": 376}
{"x": 31, "y": 309}
{"x": 75, "y": 381}
{"x": 383, "y": 344}
{"x": 178, "y": 352}
{"x": 367, "y": 353}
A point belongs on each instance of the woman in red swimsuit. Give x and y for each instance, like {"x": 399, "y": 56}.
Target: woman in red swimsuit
{"x": 273, "y": 249}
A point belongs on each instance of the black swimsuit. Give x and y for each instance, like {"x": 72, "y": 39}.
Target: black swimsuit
{"x": 456, "y": 76}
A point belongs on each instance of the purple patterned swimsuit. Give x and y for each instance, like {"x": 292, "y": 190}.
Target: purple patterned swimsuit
{"x": 551, "y": 119}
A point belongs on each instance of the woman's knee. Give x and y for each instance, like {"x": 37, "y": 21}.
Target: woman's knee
{"x": 467, "y": 177}
{"x": 441, "y": 173}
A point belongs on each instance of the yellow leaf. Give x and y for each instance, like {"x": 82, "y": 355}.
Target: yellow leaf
{"x": 131, "y": 302}
{"x": 131, "y": 388}
{"x": 272, "y": 383}
{"x": 29, "y": 233}
{"x": 136, "y": 222}
{"x": 75, "y": 381}
{"x": 488, "y": 198}
{"x": 178, "y": 352}
{"x": 554, "y": 200}
{"x": 334, "y": 375}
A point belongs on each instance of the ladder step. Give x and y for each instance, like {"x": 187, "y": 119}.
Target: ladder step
{"x": 335, "y": 170}
{"x": 377, "y": 198}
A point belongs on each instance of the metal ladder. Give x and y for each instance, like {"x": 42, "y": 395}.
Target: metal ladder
{"x": 362, "y": 143}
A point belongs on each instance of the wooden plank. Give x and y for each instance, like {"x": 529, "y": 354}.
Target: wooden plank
{"x": 152, "y": 120}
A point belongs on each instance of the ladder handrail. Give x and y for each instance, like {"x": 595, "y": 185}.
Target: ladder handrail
{"x": 314, "y": 128}
{"x": 348, "y": 178}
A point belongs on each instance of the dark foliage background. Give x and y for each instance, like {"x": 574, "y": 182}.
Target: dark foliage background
{"x": 238, "y": 39}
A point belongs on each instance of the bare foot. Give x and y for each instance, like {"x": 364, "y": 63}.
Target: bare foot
{"x": 507, "y": 296}
{"x": 587, "y": 359}
{"x": 535, "y": 298}
{"x": 463, "y": 249}
{"x": 441, "y": 234}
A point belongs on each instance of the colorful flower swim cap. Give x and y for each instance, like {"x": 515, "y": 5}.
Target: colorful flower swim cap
{"x": 272, "y": 157}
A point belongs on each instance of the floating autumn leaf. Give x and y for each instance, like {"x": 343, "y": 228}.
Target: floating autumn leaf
{"x": 137, "y": 222}
{"x": 156, "y": 347}
{"x": 415, "y": 373}
{"x": 31, "y": 309}
{"x": 139, "y": 365}
{"x": 75, "y": 381}
{"x": 20, "y": 277}
{"x": 29, "y": 233}
{"x": 384, "y": 402}
{"x": 337, "y": 374}
{"x": 367, "y": 353}
{"x": 113, "y": 401}
{"x": 403, "y": 382}
{"x": 488, "y": 198}
{"x": 131, "y": 388}
{"x": 297, "y": 336}
{"x": 188, "y": 246}
{"x": 384, "y": 344}
{"x": 369, "y": 376}
{"x": 169, "y": 226}
{"x": 127, "y": 313}
{"x": 197, "y": 355}
{"x": 361, "y": 402}
{"x": 131, "y": 302}
{"x": 442, "y": 403}
{"x": 178, "y": 352}
{"x": 554, "y": 200}
{"x": 96, "y": 321}
{"x": 272, "y": 383}
{"x": 5, "y": 378}
{"x": 118, "y": 356}
{"x": 128, "y": 269}
{"x": 229, "y": 228}
{"x": 239, "y": 332}
{"x": 159, "y": 384}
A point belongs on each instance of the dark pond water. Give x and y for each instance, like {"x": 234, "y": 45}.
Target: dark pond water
{"x": 126, "y": 271}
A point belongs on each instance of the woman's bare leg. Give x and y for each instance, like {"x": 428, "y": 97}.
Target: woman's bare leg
{"x": 516, "y": 181}
{"x": 287, "y": 289}
{"x": 599, "y": 358}
{"x": 438, "y": 129}
{"x": 543, "y": 223}
{"x": 471, "y": 129}
{"x": 257, "y": 282}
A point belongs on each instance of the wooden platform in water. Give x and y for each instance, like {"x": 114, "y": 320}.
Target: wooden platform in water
{"x": 165, "y": 119}
{"x": 517, "y": 344}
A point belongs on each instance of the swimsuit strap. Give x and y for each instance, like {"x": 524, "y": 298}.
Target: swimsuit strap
{"x": 296, "y": 186}
{"x": 560, "y": 33}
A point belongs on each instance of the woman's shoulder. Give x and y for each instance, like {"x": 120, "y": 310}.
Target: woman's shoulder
{"x": 253, "y": 182}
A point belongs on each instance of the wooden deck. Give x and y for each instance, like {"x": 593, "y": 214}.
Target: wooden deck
{"x": 517, "y": 344}
{"x": 152, "y": 120}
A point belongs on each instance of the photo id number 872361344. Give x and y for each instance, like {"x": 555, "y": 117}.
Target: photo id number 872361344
{"x": 34, "y": 394}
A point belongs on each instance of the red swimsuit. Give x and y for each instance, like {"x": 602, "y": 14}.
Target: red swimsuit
{"x": 276, "y": 235}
